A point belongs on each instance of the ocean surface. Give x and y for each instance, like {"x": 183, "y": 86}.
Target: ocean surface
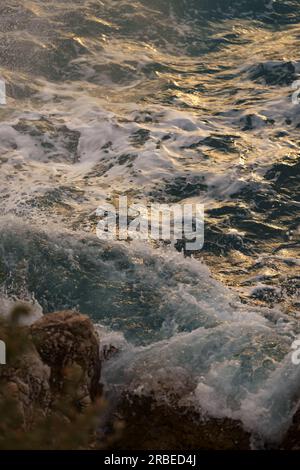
{"x": 168, "y": 101}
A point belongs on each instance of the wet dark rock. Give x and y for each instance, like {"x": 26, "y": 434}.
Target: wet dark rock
{"x": 39, "y": 361}
{"x": 150, "y": 425}
{"x": 66, "y": 338}
{"x": 291, "y": 440}
{"x": 25, "y": 379}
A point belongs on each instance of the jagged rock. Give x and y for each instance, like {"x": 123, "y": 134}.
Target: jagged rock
{"x": 291, "y": 441}
{"x": 151, "y": 425}
{"x": 24, "y": 380}
{"x": 59, "y": 352}
{"x": 65, "y": 339}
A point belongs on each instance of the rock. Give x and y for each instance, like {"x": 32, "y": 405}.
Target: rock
{"x": 55, "y": 359}
{"x": 151, "y": 425}
{"x": 67, "y": 339}
{"x": 291, "y": 440}
{"x": 24, "y": 380}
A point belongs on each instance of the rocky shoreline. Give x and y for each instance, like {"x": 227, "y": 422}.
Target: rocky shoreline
{"x": 51, "y": 397}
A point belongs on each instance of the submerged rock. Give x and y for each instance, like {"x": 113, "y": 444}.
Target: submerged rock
{"x": 24, "y": 380}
